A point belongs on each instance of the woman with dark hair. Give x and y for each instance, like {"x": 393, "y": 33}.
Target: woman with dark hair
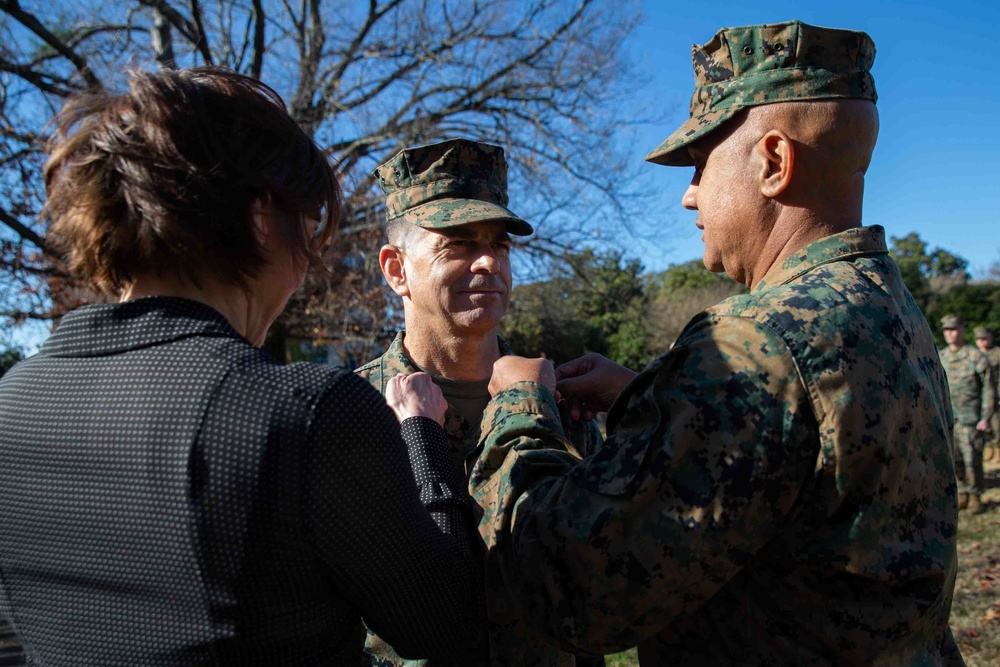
{"x": 170, "y": 494}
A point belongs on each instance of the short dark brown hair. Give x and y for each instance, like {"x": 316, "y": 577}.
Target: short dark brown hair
{"x": 162, "y": 179}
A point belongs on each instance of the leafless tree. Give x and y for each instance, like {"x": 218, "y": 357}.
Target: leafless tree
{"x": 549, "y": 80}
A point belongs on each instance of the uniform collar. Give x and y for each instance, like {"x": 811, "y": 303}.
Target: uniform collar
{"x": 99, "y": 330}
{"x": 397, "y": 362}
{"x": 464, "y": 434}
{"x": 849, "y": 244}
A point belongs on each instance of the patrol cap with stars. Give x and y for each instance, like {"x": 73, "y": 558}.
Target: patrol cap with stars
{"x": 764, "y": 64}
{"x": 448, "y": 184}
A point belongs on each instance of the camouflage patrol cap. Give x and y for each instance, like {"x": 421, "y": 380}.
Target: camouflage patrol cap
{"x": 764, "y": 64}
{"x": 952, "y": 322}
{"x": 982, "y": 332}
{"x": 448, "y": 184}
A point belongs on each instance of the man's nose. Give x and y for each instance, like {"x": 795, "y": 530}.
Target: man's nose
{"x": 690, "y": 198}
{"x": 486, "y": 262}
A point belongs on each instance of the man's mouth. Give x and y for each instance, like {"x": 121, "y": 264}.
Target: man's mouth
{"x": 482, "y": 289}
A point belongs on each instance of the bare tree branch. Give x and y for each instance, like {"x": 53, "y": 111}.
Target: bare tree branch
{"x": 18, "y": 315}
{"x": 259, "y": 21}
{"x": 23, "y": 231}
{"x": 544, "y": 79}
{"x": 201, "y": 38}
{"x": 29, "y": 21}
{"x": 162, "y": 40}
{"x": 189, "y": 29}
{"x": 311, "y": 40}
{"x": 40, "y": 80}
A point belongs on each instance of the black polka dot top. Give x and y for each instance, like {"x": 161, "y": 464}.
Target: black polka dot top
{"x": 171, "y": 495}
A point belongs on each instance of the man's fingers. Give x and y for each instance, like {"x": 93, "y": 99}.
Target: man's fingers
{"x": 573, "y": 368}
{"x": 576, "y": 388}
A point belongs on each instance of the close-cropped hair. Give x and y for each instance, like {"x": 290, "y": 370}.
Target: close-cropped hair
{"x": 398, "y": 232}
{"x": 163, "y": 179}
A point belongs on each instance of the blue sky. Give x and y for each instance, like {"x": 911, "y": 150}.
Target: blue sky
{"x": 936, "y": 169}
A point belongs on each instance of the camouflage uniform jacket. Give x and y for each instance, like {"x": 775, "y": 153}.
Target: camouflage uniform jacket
{"x": 993, "y": 357}
{"x": 972, "y": 385}
{"x": 511, "y": 641}
{"x": 778, "y": 489}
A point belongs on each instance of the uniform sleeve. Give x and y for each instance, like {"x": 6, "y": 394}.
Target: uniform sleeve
{"x": 392, "y": 523}
{"x": 707, "y": 452}
{"x": 584, "y": 435}
{"x": 989, "y": 398}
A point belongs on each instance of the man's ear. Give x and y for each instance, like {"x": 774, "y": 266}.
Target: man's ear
{"x": 776, "y": 154}
{"x": 390, "y": 258}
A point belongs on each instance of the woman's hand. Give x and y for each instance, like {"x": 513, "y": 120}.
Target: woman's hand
{"x": 415, "y": 396}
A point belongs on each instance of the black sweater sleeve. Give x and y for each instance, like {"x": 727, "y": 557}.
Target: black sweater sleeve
{"x": 391, "y": 521}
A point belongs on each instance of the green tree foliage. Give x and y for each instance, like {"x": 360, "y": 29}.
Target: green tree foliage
{"x": 927, "y": 273}
{"x": 594, "y": 303}
{"x": 8, "y": 358}
{"x": 601, "y": 302}
{"x": 686, "y": 278}
{"x": 977, "y": 303}
{"x": 679, "y": 293}
{"x": 940, "y": 284}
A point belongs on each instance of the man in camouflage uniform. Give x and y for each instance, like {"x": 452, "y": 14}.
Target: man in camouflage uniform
{"x": 984, "y": 341}
{"x": 448, "y": 257}
{"x": 778, "y": 488}
{"x": 973, "y": 398}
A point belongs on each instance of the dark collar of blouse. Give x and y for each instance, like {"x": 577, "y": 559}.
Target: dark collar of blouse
{"x": 104, "y": 329}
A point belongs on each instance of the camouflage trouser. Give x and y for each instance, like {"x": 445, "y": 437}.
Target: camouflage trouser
{"x": 968, "y": 452}
{"x": 993, "y": 435}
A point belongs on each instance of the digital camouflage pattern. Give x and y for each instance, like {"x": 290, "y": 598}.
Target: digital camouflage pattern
{"x": 763, "y": 64}
{"x": 973, "y": 398}
{"x": 993, "y": 357}
{"x": 512, "y": 643}
{"x": 776, "y": 490}
{"x": 971, "y": 383}
{"x": 451, "y": 183}
{"x": 968, "y": 443}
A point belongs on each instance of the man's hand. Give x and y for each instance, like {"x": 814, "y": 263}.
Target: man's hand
{"x": 415, "y": 396}
{"x": 510, "y": 369}
{"x": 591, "y": 384}
{"x": 983, "y": 425}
